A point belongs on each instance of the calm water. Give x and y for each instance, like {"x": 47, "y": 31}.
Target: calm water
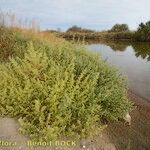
{"x": 133, "y": 60}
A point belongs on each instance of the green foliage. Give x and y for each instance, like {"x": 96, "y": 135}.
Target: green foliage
{"x": 77, "y": 29}
{"x": 120, "y": 28}
{"x": 143, "y": 32}
{"x": 61, "y": 89}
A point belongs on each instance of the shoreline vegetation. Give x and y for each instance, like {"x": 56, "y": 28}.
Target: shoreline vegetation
{"x": 77, "y": 36}
{"x": 119, "y": 32}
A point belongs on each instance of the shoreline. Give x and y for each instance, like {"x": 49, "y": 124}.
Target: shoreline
{"x": 137, "y": 135}
{"x": 139, "y": 100}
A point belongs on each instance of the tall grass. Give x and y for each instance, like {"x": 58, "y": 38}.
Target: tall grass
{"x": 9, "y": 19}
{"x": 14, "y": 30}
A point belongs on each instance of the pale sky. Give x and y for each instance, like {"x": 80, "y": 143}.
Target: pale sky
{"x": 94, "y": 14}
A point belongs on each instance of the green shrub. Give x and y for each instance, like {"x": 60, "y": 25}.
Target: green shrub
{"x": 77, "y": 29}
{"x": 120, "y": 28}
{"x": 143, "y": 32}
{"x": 61, "y": 89}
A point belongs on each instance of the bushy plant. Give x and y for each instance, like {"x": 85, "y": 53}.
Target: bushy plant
{"x": 61, "y": 89}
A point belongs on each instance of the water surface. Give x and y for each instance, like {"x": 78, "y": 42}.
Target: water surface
{"x": 132, "y": 59}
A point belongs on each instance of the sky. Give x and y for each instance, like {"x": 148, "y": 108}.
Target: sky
{"x": 93, "y": 14}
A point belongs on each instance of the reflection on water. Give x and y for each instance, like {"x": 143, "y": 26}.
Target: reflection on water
{"x": 133, "y": 60}
{"x": 142, "y": 50}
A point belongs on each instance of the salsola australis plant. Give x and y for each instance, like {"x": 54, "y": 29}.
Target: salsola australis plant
{"x": 61, "y": 90}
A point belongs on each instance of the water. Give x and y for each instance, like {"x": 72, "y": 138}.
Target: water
{"x": 132, "y": 59}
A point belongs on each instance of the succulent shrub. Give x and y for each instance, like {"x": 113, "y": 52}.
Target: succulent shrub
{"x": 61, "y": 89}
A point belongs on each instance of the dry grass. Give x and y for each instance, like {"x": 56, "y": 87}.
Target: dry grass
{"x": 9, "y": 19}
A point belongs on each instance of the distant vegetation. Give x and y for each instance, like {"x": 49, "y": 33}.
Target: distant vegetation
{"x": 143, "y": 32}
{"x": 56, "y": 88}
{"x": 82, "y": 36}
{"x": 120, "y": 28}
{"x": 79, "y": 30}
{"x": 117, "y": 32}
